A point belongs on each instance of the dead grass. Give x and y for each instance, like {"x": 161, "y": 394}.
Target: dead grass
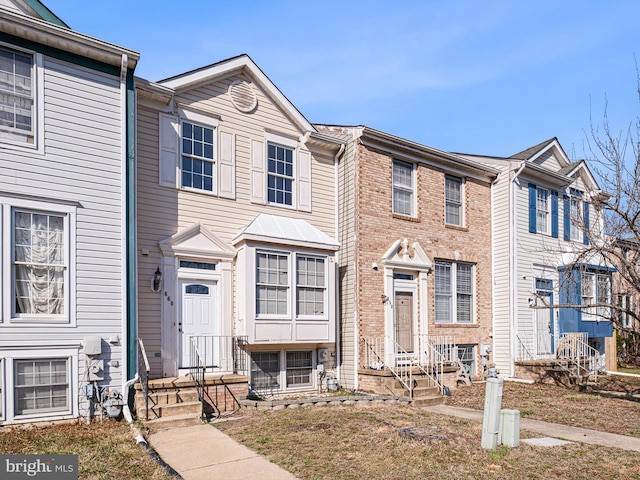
{"x": 561, "y": 405}
{"x": 395, "y": 442}
{"x": 105, "y": 450}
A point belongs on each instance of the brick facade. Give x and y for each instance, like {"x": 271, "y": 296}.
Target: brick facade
{"x": 378, "y": 228}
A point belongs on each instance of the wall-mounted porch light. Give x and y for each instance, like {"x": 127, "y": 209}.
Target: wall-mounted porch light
{"x": 157, "y": 280}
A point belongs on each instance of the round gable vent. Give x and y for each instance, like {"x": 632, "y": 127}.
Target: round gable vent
{"x": 243, "y": 96}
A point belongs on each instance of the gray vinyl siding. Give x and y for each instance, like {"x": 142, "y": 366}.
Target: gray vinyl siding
{"x": 163, "y": 211}
{"x": 82, "y": 162}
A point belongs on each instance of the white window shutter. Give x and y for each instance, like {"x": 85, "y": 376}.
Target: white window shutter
{"x": 169, "y": 142}
{"x": 303, "y": 180}
{"x": 258, "y": 177}
{"x": 227, "y": 166}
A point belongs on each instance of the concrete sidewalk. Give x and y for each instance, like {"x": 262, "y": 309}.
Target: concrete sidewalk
{"x": 574, "y": 434}
{"x": 202, "y": 452}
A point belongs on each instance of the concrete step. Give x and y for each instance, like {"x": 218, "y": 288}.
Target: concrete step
{"x": 425, "y": 392}
{"x": 428, "y": 401}
{"x": 176, "y": 409}
{"x": 168, "y": 398}
{"x": 177, "y": 421}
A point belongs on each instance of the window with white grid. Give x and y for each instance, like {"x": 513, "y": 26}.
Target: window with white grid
{"x": 272, "y": 283}
{"x": 403, "y": 188}
{"x": 543, "y": 214}
{"x": 454, "y": 292}
{"x": 16, "y": 92}
{"x": 41, "y": 385}
{"x": 299, "y": 368}
{"x": 453, "y": 201}
{"x": 40, "y": 268}
{"x": 311, "y": 287}
{"x": 265, "y": 370}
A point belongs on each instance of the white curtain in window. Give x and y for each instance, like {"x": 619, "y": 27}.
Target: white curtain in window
{"x": 39, "y": 263}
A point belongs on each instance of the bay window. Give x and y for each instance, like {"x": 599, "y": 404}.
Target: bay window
{"x": 276, "y": 289}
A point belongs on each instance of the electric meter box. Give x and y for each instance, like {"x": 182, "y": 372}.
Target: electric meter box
{"x": 323, "y": 355}
{"x": 92, "y": 345}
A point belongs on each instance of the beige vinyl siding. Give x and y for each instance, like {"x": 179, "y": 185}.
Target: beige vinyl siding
{"x": 549, "y": 161}
{"x": 346, "y": 237}
{"x": 163, "y": 211}
{"x": 501, "y": 266}
{"x": 82, "y": 162}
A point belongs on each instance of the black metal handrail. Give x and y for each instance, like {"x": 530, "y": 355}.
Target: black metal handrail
{"x": 143, "y": 370}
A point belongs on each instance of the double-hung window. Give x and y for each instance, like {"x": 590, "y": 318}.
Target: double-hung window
{"x": 39, "y": 264}
{"x": 596, "y": 291}
{"x": 403, "y": 188}
{"x": 454, "y": 293}
{"x": 543, "y": 214}
{"x": 272, "y": 283}
{"x": 198, "y": 158}
{"x": 575, "y": 217}
{"x": 16, "y": 94}
{"x": 280, "y": 174}
{"x": 311, "y": 286}
{"x": 453, "y": 196}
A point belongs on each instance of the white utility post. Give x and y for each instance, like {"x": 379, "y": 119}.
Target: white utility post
{"x": 492, "y": 405}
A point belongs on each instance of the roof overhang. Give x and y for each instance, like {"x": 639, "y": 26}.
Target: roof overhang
{"x": 536, "y": 172}
{"x": 427, "y": 155}
{"x": 287, "y": 231}
{"x": 61, "y": 38}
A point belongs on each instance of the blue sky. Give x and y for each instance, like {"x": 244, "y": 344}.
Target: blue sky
{"x": 485, "y": 77}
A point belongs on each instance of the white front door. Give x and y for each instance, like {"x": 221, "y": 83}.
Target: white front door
{"x": 198, "y": 319}
{"x": 544, "y": 324}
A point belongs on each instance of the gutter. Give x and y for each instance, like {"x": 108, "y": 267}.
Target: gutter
{"x": 55, "y": 36}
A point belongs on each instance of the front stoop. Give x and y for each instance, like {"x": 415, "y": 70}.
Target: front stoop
{"x": 384, "y": 382}
{"x": 173, "y": 402}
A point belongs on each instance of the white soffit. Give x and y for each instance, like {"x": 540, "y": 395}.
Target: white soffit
{"x": 286, "y": 230}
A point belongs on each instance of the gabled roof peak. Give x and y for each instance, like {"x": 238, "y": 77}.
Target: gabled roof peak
{"x": 238, "y": 64}
{"x": 532, "y": 151}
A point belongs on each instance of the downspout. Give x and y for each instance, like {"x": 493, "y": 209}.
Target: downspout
{"x": 337, "y": 289}
{"x": 513, "y": 277}
{"x": 130, "y": 244}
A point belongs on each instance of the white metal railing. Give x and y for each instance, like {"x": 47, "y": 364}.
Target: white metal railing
{"x": 405, "y": 364}
{"x": 522, "y": 351}
{"x": 574, "y": 347}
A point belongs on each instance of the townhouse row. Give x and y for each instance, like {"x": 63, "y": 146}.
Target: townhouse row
{"x": 204, "y": 218}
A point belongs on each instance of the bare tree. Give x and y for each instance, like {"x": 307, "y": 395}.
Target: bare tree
{"x": 614, "y": 157}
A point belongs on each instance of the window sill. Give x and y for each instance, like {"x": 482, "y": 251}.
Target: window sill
{"x": 405, "y": 217}
{"x": 456, "y": 227}
{"x": 457, "y": 325}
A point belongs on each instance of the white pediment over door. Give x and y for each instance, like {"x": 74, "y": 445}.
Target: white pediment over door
{"x": 198, "y": 242}
{"x": 401, "y": 255}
